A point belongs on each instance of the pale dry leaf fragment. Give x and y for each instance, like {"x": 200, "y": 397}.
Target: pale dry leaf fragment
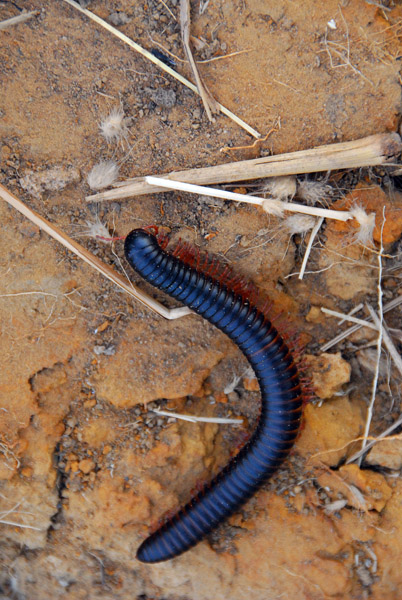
{"x": 103, "y": 174}
{"x": 335, "y": 506}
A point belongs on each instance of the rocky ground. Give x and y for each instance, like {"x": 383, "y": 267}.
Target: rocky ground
{"x": 86, "y": 467}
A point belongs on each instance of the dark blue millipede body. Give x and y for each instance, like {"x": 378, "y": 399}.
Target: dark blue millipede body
{"x": 277, "y": 375}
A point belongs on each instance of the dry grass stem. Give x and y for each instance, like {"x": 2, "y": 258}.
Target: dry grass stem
{"x": 370, "y": 151}
{"x": 342, "y": 52}
{"x": 379, "y": 339}
{"x": 374, "y": 440}
{"x": 388, "y": 343}
{"x": 24, "y": 16}
{"x": 209, "y": 102}
{"x": 354, "y": 310}
{"x": 350, "y": 318}
{"x": 21, "y": 525}
{"x": 159, "y": 63}
{"x": 341, "y": 336}
{"x": 276, "y": 207}
{"x": 193, "y": 419}
{"x": 168, "y": 9}
{"x": 313, "y": 233}
{"x": 90, "y": 259}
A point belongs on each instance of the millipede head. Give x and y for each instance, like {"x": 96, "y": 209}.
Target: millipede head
{"x": 136, "y": 242}
{"x": 163, "y": 240}
{"x": 152, "y": 228}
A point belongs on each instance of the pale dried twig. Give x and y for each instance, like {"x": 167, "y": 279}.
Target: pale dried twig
{"x": 159, "y": 63}
{"x": 209, "y": 102}
{"x": 90, "y": 259}
{"x": 194, "y": 419}
{"x": 276, "y": 207}
{"x": 313, "y": 233}
{"x": 361, "y": 322}
{"x": 354, "y": 310}
{"x": 374, "y": 441}
{"x": 370, "y": 151}
{"x": 379, "y": 340}
{"x": 24, "y": 16}
{"x": 389, "y": 306}
{"x": 168, "y": 9}
{"x": 21, "y": 525}
{"x": 14, "y": 510}
{"x": 342, "y": 52}
{"x": 386, "y": 340}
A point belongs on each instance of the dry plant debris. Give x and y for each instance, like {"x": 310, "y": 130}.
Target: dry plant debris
{"x": 76, "y": 436}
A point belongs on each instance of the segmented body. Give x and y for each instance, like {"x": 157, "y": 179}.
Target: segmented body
{"x": 279, "y": 381}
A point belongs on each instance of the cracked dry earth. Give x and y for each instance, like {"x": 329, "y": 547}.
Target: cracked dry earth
{"x": 86, "y": 467}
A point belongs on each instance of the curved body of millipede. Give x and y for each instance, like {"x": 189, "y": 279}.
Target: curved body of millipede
{"x": 279, "y": 381}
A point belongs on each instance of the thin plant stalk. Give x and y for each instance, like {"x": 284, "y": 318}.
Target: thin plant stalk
{"x": 90, "y": 259}
{"x": 277, "y": 205}
{"x": 160, "y": 64}
{"x": 369, "y": 151}
{"x": 380, "y": 336}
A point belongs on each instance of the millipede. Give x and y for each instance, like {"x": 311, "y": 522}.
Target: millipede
{"x": 229, "y": 306}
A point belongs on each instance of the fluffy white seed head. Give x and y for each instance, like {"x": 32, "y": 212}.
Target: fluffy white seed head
{"x": 103, "y": 174}
{"x": 364, "y": 234}
{"x": 313, "y": 192}
{"x": 114, "y": 127}
{"x": 280, "y": 188}
{"x": 96, "y": 229}
{"x": 299, "y": 224}
{"x": 273, "y": 207}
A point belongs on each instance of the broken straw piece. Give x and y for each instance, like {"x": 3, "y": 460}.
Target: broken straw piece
{"x": 91, "y": 259}
{"x": 269, "y": 205}
{"x": 24, "y": 16}
{"x": 373, "y": 150}
{"x": 194, "y": 419}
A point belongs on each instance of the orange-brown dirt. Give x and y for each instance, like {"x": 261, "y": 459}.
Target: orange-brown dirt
{"x": 86, "y": 467}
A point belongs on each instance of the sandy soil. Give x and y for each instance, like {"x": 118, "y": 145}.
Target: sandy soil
{"x": 86, "y": 467}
